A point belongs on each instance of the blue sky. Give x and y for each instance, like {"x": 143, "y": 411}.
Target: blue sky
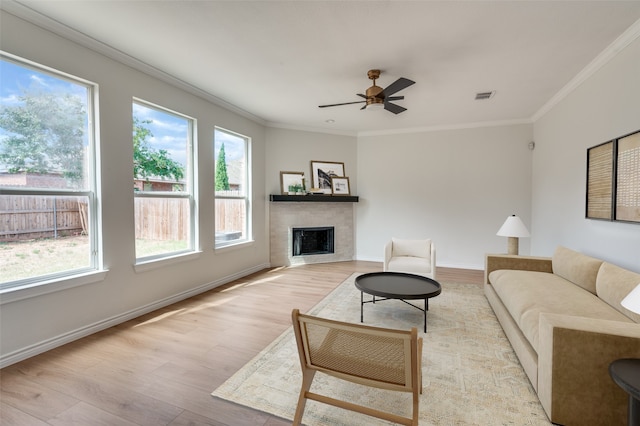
{"x": 170, "y": 131}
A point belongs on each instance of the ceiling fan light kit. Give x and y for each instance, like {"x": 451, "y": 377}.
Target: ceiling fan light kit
{"x": 377, "y": 98}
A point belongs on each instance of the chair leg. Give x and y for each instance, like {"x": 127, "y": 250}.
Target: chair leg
{"x": 307, "y": 379}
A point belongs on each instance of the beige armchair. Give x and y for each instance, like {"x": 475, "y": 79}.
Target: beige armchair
{"x": 410, "y": 256}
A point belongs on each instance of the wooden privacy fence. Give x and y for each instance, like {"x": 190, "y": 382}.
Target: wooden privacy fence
{"x": 230, "y": 216}
{"x": 36, "y": 216}
{"x": 162, "y": 218}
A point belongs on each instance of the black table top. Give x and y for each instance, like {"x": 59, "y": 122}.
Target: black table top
{"x": 626, "y": 373}
{"x": 398, "y": 285}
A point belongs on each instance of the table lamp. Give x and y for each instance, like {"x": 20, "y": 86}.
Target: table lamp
{"x": 632, "y": 300}
{"x": 513, "y": 228}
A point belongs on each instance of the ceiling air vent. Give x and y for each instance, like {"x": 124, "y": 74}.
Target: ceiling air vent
{"x": 484, "y": 95}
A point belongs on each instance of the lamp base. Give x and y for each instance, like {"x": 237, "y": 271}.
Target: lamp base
{"x": 512, "y": 245}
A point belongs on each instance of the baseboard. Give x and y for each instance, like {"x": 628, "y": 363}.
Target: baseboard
{"x": 54, "y": 342}
{"x": 438, "y": 264}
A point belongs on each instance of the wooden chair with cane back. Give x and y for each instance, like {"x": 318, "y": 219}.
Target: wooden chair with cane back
{"x": 372, "y": 356}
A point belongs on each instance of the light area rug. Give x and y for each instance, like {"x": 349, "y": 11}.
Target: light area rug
{"x": 471, "y": 376}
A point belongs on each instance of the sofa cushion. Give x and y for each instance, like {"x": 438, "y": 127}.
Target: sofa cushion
{"x": 576, "y": 267}
{"x": 416, "y": 248}
{"x": 613, "y": 284}
{"x": 527, "y": 294}
{"x": 412, "y": 265}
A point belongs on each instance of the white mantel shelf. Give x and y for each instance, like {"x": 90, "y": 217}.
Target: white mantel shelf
{"x": 314, "y": 198}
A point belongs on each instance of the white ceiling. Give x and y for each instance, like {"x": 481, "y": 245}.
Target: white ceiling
{"x": 279, "y": 60}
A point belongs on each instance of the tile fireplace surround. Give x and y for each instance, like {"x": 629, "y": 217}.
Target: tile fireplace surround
{"x": 283, "y": 217}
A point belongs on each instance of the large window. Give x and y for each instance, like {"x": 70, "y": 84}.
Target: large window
{"x": 163, "y": 159}
{"x": 48, "y": 194}
{"x": 232, "y": 191}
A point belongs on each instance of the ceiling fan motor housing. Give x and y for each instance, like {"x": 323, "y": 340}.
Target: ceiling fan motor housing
{"x": 374, "y": 93}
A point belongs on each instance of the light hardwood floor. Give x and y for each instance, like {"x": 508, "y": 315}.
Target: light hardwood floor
{"x": 160, "y": 369}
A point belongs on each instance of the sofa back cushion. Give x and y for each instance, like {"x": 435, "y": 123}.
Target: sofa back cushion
{"x": 613, "y": 285}
{"x": 578, "y": 268}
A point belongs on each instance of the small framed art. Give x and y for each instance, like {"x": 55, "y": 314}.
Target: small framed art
{"x": 600, "y": 181}
{"x": 291, "y": 182}
{"x": 340, "y": 186}
{"x": 628, "y": 179}
{"x": 322, "y": 172}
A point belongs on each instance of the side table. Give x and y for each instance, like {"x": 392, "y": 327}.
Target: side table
{"x": 626, "y": 374}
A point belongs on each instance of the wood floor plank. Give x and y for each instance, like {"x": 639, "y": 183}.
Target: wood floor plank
{"x": 160, "y": 368}
{"x": 83, "y": 414}
{"x": 12, "y": 416}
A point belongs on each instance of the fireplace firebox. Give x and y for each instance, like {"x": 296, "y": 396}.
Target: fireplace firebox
{"x": 309, "y": 241}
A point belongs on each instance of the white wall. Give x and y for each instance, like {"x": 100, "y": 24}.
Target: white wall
{"x": 605, "y": 106}
{"x": 30, "y": 325}
{"x": 293, "y": 151}
{"x": 456, "y": 187}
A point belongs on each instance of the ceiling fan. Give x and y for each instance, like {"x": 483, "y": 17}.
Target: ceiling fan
{"x": 376, "y": 96}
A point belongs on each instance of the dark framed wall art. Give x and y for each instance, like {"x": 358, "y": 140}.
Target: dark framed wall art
{"x": 613, "y": 180}
{"x": 600, "y": 181}
{"x": 628, "y": 179}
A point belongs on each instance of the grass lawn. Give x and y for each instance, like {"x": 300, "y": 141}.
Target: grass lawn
{"x": 25, "y": 259}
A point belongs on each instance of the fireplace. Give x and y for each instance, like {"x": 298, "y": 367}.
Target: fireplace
{"x": 284, "y": 217}
{"x": 310, "y": 241}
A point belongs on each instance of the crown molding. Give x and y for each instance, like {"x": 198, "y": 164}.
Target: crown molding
{"x": 445, "y": 127}
{"x": 311, "y": 129}
{"x": 27, "y": 14}
{"x": 625, "y": 39}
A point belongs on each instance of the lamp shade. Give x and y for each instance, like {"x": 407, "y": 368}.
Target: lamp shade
{"x": 632, "y": 301}
{"x": 513, "y": 227}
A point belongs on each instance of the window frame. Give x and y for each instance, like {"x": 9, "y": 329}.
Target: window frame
{"x": 191, "y": 185}
{"x": 247, "y": 197}
{"x": 94, "y": 272}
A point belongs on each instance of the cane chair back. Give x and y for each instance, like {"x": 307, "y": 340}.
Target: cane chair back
{"x": 371, "y": 356}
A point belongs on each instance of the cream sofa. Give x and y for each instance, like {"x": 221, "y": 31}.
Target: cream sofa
{"x": 563, "y": 318}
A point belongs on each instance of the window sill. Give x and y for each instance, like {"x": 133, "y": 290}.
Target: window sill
{"x": 148, "y": 265}
{"x": 233, "y": 246}
{"x": 50, "y": 286}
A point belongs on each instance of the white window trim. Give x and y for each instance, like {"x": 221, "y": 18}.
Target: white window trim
{"x": 154, "y": 261}
{"x": 95, "y": 272}
{"x": 248, "y": 240}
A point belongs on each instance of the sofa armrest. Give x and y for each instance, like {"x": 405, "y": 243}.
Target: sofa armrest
{"x": 494, "y": 262}
{"x": 574, "y": 354}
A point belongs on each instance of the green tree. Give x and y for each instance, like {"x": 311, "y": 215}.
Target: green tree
{"x": 222, "y": 179}
{"x": 44, "y": 134}
{"x": 149, "y": 162}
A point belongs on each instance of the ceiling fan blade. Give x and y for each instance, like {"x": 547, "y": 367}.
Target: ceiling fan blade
{"x": 396, "y": 86}
{"x": 394, "y": 98}
{"x": 362, "y": 96}
{"x": 345, "y": 103}
{"x": 364, "y": 107}
{"x": 396, "y": 109}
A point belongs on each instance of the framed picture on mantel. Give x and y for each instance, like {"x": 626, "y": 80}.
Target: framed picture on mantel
{"x": 322, "y": 172}
{"x": 340, "y": 186}
{"x": 291, "y": 182}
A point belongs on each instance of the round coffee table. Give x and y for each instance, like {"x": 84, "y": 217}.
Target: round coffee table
{"x": 398, "y": 286}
